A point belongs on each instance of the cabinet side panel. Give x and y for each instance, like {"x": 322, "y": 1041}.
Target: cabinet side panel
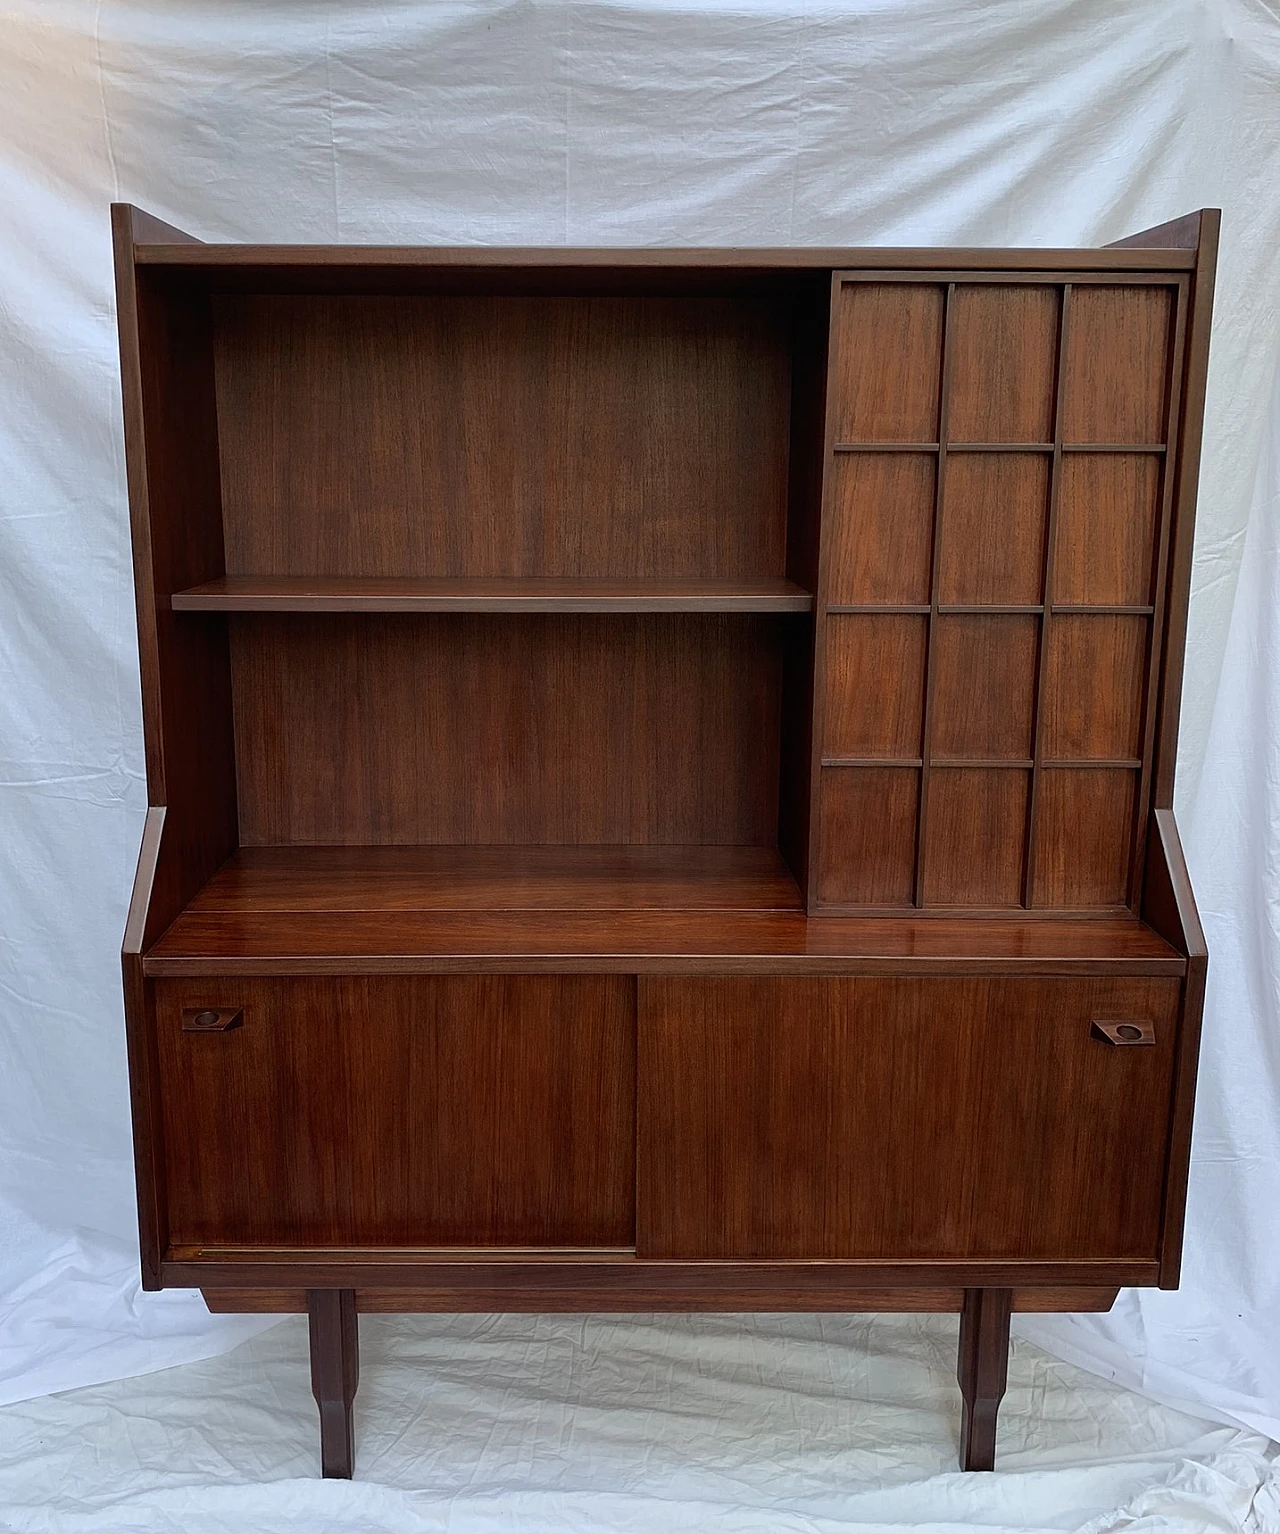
{"x": 170, "y": 431}
{"x": 1194, "y": 366}
{"x": 171, "y": 446}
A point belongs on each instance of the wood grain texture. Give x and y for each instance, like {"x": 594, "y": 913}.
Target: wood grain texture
{"x": 519, "y": 576}
{"x": 1117, "y": 364}
{"x": 415, "y": 1111}
{"x": 170, "y": 433}
{"x": 1185, "y": 471}
{"x": 510, "y": 729}
{"x": 171, "y": 462}
{"x": 887, "y": 362}
{"x": 918, "y": 1118}
{"x": 483, "y": 437}
{"x": 513, "y": 1298}
{"x": 1169, "y": 904}
{"x": 880, "y": 537}
{"x": 304, "y": 910}
{"x": 335, "y": 1373}
{"x": 616, "y": 1279}
{"x": 874, "y": 685}
{"x": 359, "y": 260}
{"x": 1108, "y": 506}
{"x": 983, "y": 685}
{"x": 685, "y": 942}
{"x": 1094, "y": 688}
{"x": 315, "y": 594}
{"x": 868, "y": 831}
{"x": 993, "y": 529}
{"x": 982, "y": 1371}
{"x": 261, "y": 880}
{"x": 1185, "y": 233}
{"x": 976, "y": 834}
{"x": 1004, "y": 343}
{"x": 1084, "y": 819}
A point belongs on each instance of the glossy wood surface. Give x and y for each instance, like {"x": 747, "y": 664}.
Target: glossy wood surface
{"x": 859, "y": 1118}
{"x": 1040, "y": 1299}
{"x": 993, "y": 590}
{"x": 664, "y": 757}
{"x": 982, "y": 1372}
{"x": 335, "y": 1374}
{"x": 620, "y": 909}
{"x": 432, "y": 1111}
{"x": 1170, "y": 906}
{"x": 519, "y": 729}
{"x": 603, "y": 438}
{"x": 211, "y": 254}
{"x": 598, "y": 1279}
{"x": 260, "y": 593}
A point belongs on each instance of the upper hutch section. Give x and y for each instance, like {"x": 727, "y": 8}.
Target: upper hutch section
{"x": 873, "y": 563}
{"x": 992, "y": 599}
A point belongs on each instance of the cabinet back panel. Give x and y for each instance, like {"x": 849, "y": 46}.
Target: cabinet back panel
{"x": 547, "y": 729}
{"x": 377, "y": 436}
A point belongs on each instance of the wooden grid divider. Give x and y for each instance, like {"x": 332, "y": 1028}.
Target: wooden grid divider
{"x": 1046, "y": 617}
{"x": 931, "y": 620}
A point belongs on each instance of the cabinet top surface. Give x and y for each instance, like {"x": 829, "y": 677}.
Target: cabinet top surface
{"x": 279, "y": 910}
{"x": 741, "y": 258}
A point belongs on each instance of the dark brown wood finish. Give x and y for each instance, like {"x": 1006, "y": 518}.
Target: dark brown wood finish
{"x": 1194, "y": 369}
{"x": 175, "y": 251}
{"x": 504, "y": 437}
{"x": 910, "y": 1118}
{"x": 982, "y": 1372}
{"x": 1040, "y": 1299}
{"x": 335, "y": 1374}
{"x": 660, "y": 767}
{"x": 957, "y": 636}
{"x": 1171, "y": 908}
{"x": 440, "y": 1111}
{"x": 587, "y": 1281}
{"x": 515, "y": 729}
{"x": 688, "y": 941}
{"x": 313, "y": 594}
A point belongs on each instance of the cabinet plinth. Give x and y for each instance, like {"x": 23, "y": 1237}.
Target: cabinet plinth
{"x": 660, "y": 768}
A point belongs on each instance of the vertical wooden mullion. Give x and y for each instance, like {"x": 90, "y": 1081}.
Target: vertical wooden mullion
{"x": 1160, "y": 555}
{"x": 1046, "y": 617}
{"x": 817, "y": 721}
{"x": 939, "y": 489}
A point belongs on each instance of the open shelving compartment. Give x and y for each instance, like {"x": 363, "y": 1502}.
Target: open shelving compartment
{"x": 496, "y": 587}
{"x": 480, "y": 599}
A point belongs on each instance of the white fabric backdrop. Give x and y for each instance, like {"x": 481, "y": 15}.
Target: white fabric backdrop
{"x": 764, "y": 122}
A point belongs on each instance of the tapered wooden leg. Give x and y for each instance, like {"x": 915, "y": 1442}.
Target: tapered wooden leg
{"x": 335, "y": 1372}
{"x": 982, "y": 1371}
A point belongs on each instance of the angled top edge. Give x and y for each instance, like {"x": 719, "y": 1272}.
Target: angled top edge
{"x": 729, "y": 259}
{"x": 1167, "y": 247}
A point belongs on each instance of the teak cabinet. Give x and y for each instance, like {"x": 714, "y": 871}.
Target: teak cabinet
{"x": 660, "y": 768}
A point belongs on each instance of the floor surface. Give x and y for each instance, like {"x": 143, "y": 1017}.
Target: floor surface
{"x": 720, "y": 1424}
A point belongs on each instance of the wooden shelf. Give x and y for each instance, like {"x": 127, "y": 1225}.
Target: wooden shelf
{"x": 669, "y": 910}
{"x": 315, "y": 594}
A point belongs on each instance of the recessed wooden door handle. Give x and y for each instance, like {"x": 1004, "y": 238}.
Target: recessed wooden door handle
{"x": 1127, "y": 1031}
{"x": 211, "y": 1019}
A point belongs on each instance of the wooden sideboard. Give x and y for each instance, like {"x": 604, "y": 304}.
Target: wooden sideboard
{"x": 660, "y": 768}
